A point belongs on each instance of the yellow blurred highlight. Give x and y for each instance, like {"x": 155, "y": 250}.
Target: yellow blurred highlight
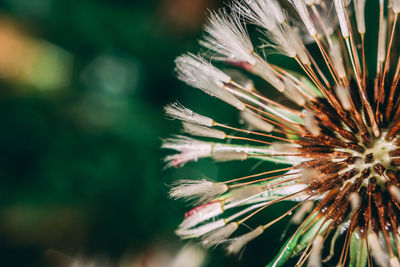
{"x": 32, "y": 61}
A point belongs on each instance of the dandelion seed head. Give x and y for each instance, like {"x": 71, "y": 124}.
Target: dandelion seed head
{"x": 333, "y": 133}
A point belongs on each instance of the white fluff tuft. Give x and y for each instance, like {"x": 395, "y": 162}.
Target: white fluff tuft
{"x": 335, "y": 53}
{"x": 200, "y": 190}
{"x": 292, "y": 93}
{"x": 177, "y": 111}
{"x": 283, "y": 148}
{"x": 316, "y": 252}
{"x": 198, "y": 63}
{"x": 301, "y": 9}
{"x": 395, "y": 191}
{"x": 380, "y": 256}
{"x": 308, "y": 175}
{"x": 394, "y": 262}
{"x": 301, "y": 212}
{"x": 382, "y": 41}
{"x": 199, "y": 230}
{"x": 311, "y": 123}
{"x": 396, "y": 6}
{"x": 202, "y": 213}
{"x": 220, "y": 235}
{"x": 198, "y": 130}
{"x": 228, "y": 38}
{"x": 269, "y": 16}
{"x": 341, "y": 14}
{"x": 202, "y": 75}
{"x": 263, "y": 69}
{"x": 343, "y": 96}
{"x": 238, "y": 243}
{"x": 229, "y": 156}
{"x": 355, "y": 200}
{"x": 190, "y": 150}
{"x": 256, "y": 122}
{"x": 244, "y": 193}
{"x": 359, "y": 7}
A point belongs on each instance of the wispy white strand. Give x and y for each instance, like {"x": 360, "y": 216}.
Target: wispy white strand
{"x": 188, "y": 232}
{"x": 198, "y": 130}
{"x": 219, "y": 236}
{"x": 199, "y": 190}
{"x": 335, "y": 53}
{"x": 300, "y": 214}
{"x": 380, "y": 256}
{"x": 396, "y": 6}
{"x": 316, "y": 251}
{"x": 202, "y": 75}
{"x": 355, "y": 200}
{"x": 177, "y": 111}
{"x": 311, "y": 123}
{"x": 382, "y": 41}
{"x": 256, "y": 122}
{"x": 202, "y": 213}
{"x": 341, "y": 13}
{"x": 292, "y": 93}
{"x": 343, "y": 96}
{"x": 190, "y": 150}
{"x": 394, "y": 262}
{"x": 267, "y": 16}
{"x": 359, "y": 8}
{"x": 228, "y": 38}
{"x": 302, "y": 10}
{"x": 237, "y": 244}
{"x": 229, "y": 156}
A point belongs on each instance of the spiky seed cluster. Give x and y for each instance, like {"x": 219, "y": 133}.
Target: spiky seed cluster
{"x": 340, "y": 144}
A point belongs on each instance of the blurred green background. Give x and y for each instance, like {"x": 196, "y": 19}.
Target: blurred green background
{"x": 83, "y": 84}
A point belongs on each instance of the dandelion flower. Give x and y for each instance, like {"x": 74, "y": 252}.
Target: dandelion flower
{"x": 336, "y": 137}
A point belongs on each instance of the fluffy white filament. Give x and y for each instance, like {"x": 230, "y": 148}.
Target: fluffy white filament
{"x": 305, "y": 208}
{"x": 186, "y": 232}
{"x": 309, "y": 174}
{"x": 301, "y": 8}
{"x": 335, "y": 53}
{"x": 256, "y": 122}
{"x": 202, "y": 75}
{"x": 227, "y": 37}
{"x": 380, "y": 256}
{"x": 355, "y": 200}
{"x": 237, "y": 244}
{"x": 316, "y": 251}
{"x": 245, "y": 193}
{"x": 229, "y": 156}
{"x": 190, "y": 150}
{"x": 269, "y": 16}
{"x": 283, "y": 148}
{"x": 359, "y": 7}
{"x": 191, "y": 61}
{"x": 292, "y": 93}
{"x": 311, "y": 123}
{"x": 177, "y": 111}
{"x": 395, "y": 191}
{"x": 220, "y": 235}
{"x": 394, "y": 262}
{"x": 201, "y": 214}
{"x": 198, "y": 130}
{"x": 396, "y": 6}
{"x": 201, "y": 190}
{"x": 344, "y": 97}
{"x": 382, "y": 41}
{"x": 341, "y": 14}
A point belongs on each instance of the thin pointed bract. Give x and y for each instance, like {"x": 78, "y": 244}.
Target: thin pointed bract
{"x": 335, "y": 127}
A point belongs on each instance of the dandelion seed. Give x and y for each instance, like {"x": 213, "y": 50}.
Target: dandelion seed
{"x": 337, "y": 139}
